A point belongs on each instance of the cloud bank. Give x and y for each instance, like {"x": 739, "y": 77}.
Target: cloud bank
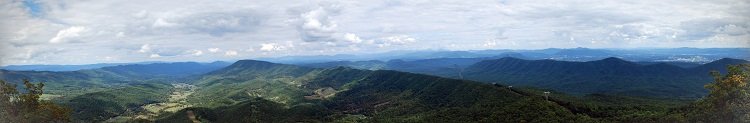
{"x": 81, "y": 32}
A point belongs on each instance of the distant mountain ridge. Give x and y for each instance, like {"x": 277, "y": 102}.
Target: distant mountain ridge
{"x": 107, "y": 77}
{"x": 610, "y": 75}
{"x": 174, "y": 69}
{"x": 58, "y": 67}
{"x": 690, "y": 55}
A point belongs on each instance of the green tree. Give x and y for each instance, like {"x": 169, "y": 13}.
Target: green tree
{"x": 729, "y": 96}
{"x": 26, "y": 107}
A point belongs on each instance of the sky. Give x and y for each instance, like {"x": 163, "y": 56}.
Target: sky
{"x": 117, "y": 31}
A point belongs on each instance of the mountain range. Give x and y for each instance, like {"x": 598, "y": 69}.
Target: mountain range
{"x": 609, "y": 75}
{"x": 423, "y": 90}
{"x": 288, "y": 93}
{"x": 690, "y": 55}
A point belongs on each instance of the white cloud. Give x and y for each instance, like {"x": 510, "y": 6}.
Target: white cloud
{"x": 342, "y": 27}
{"x": 66, "y": 34}
{"x": 195, "y": 52}
{"x": 316, "y": 25}
{"x": 145, "y": 48}
{"x": 213, "y": 50}
{"x": 162, "y": 23}
{"x": 276, "y": 46}
{"x": 352, "y": 38}
{"x": 392, "y": 41}
{"x": 401, "y": 39}
{"x": 120, "y": 35}
{"x": 154, "y": 56}
{"x": 490, "y": 43}
{"x": 230, "y": 53}
{"x": 268, "y": 47}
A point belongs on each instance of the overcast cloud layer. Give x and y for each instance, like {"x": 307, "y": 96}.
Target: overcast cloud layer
{"x": 82, "y": 32}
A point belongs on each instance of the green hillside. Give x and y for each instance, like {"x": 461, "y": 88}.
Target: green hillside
{"x": 259, "y": 91}
{"x": 100, "y": 106}
{"x": 608, "y": 76}
{"x": 375, "y": 96}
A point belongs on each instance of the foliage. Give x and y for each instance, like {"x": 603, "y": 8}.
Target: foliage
{"x": 363, "y": 96}
{"x": 100, "y": 106}
{"x": 257, "y": 91}
{"x": 27, "y": 107}
{"x": 256, "y": 110}
{"x": 729, "y": 97}
{"x": 607, "y": 76}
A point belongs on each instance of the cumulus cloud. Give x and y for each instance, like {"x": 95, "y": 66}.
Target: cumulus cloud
{"x": 268, "y": 47}
{"x": 213, "y": 50}
{"x": 272, "y": 47}
{"x": 219, "y": 23}
{"x": 212, "y": 23}
{"x": 159, "y": 23}
{"x": 120, "y": 35}
{"x": 352, "y": 38}
{"x": 67, "y": 34}
{"x": 230, "y": 53}
{"x": 490, "y": 43}
{"x": 195, "y": 52}
{"x": 698, "y": 29}
{"x": 154, "y": 56}
{"x": 145, "y": 48}
{"x": 316, "y": 24}
{"x": 393, "y": 40}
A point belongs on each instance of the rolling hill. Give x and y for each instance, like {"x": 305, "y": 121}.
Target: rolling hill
{"x": 98, "y": 94}
{"x": 259, "y": 91}
{"x": 260, "y": 88}
{"x": 610, "y": 76}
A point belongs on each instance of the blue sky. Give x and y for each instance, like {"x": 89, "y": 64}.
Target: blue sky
{"x": 82, "y": 32}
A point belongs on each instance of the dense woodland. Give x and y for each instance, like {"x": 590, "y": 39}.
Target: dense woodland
{"x": 258, "y": 91}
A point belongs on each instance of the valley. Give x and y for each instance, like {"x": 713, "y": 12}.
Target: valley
{"x": 177, "y": 100}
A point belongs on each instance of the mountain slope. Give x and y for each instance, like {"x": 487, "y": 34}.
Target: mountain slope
{"x": 170, "y": 70}
{"x": 94, "y": 79}
{"x": 719, "y": 65}
{"x": 100, "y": 106}
{"x": 58, "y": 67}
{"x": 436, "y": 66}
{"x": 376, "y": 96}
{"x": 391, "y": 96}
{"x": 610, "y": 75}
{"x": 247, "y": 79}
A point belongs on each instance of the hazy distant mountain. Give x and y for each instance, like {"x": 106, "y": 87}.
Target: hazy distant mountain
{"x": 679, "y": 64}
{"x": 688, "y": 55}
{"x": 435, "y": 65}
{"x": 58, "y": 67}
{"x": 582, "y": 52}
{"x": 610, "y": 75}
{"x": 117, "y": 73}
{"x": 68, "y": 67}
{"x": 90, "y": 80}
{"x": 174, "y": 69}
{"x": 290, "y": 93}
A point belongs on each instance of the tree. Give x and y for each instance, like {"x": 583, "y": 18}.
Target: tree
{"x": 729, "y": 95}
{"x": 26, "y": 107}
